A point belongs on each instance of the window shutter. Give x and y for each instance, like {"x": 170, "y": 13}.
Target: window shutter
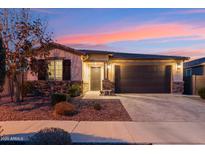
{"x": 66, "y": 69}
{"x": 42, "y": 69}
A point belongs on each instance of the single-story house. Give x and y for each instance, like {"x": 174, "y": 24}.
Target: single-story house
{"x": 107, "y": 70}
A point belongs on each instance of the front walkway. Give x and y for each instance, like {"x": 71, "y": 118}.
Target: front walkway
{"x": 96, "y": 95}
{"x": 86, "y": 132}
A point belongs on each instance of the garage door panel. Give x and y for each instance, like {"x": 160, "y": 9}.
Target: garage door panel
{"x": 143, "y": 79}
{"x": 154, "y": 78}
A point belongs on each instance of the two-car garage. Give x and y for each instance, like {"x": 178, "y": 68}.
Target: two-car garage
{"x": 136, "y": 73}
{"x": 143, "y": 78}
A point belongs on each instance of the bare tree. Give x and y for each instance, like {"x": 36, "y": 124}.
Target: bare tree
{"x": 21, "y": 34}
{"x": 2, "y": 66}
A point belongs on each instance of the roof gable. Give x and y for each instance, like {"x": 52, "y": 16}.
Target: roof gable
{"x": 53, "y": 45}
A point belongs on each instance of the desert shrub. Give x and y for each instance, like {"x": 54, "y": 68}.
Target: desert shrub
{"x": 50, "y": 136}
{"x": 64, "y": 108}
{"x": 28, "y": 88}
{"x": 201, "y": 93}
{"x": 74, "y": 90}
{"x": 59, "y": 97}
{"x": 97, "y": 106}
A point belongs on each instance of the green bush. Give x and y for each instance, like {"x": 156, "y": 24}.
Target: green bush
{"x": 97, "y": 106}
{"x": 59, "y": 97}
{"x": 50, "y": 136}
{"x": 201, "y": 93}
{"x": 74, "y": 90}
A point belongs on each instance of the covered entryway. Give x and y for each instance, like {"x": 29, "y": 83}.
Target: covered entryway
{"x": 95, "y": 79}
{"x": 143, "y": 78}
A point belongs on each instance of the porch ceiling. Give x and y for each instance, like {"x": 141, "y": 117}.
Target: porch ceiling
{"x": 96, "y": 58}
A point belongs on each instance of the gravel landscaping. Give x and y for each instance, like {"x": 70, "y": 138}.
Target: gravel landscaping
{"x": 41, "y": 109}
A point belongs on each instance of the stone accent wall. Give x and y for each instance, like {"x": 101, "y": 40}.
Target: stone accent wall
{"x": 108, "y": 85}
{"x": 46, "y": 88}
{"x": 178, "y": 87}
{"x": 85, "y": 87}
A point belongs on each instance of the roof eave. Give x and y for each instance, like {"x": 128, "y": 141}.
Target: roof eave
{"x": 180, "y": 58}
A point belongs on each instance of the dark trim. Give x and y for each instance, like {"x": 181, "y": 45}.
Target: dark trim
{"x": 55, "y": 58}
{"x": 42, "y": 69}
{"x": 66, "y": 69}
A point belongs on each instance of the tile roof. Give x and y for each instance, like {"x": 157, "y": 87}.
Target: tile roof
{"x": 115, "y": 55}
{"x": 120, "y": 55}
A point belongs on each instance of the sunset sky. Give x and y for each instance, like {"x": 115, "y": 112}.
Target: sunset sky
{"x": 148, "y": 31}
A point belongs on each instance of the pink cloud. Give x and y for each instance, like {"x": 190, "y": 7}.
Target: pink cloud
{"x": 150, "y": 31}
{"x": 91, "y": 46}
{"x": 193, "y": 53}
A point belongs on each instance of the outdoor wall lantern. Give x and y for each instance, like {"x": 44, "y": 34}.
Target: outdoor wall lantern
{"x": 179, "y": 66}
{"x": 108, "y": 66}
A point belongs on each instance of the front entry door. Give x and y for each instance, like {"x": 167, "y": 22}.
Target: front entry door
{"x": 95, "y": 79}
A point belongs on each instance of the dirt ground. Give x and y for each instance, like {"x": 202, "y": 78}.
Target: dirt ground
{"x": 41, "y": 109}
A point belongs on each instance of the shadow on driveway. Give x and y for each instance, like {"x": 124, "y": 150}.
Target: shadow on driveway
{"x": 77, "y": 139}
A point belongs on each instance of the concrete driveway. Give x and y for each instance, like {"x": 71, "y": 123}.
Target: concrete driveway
{"x": 159, "y": 118}
{"x": 164, "y": 107}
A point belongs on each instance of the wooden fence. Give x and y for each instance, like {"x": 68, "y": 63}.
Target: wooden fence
{"x": 193, "y": 83}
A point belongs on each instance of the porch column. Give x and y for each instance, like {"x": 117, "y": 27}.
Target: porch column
{"x": 106, "y": 70}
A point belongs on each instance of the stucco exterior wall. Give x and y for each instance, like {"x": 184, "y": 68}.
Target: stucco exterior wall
{"x": 76, "y": 64}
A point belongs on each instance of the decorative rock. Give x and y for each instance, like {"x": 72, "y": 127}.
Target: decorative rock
{"x": 178, "y": 87}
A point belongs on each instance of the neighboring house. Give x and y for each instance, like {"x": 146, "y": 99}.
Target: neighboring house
{"x": 195, "y": 67}
{"x": 120, "y": 72}
{"x": 194, "y": 76}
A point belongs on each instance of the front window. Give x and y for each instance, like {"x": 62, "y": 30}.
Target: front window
{"x": 55, "y": 69}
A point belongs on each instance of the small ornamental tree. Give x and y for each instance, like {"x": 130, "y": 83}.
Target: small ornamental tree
{"x": 2, "y": 65}
{"x": 21, "y": 33}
